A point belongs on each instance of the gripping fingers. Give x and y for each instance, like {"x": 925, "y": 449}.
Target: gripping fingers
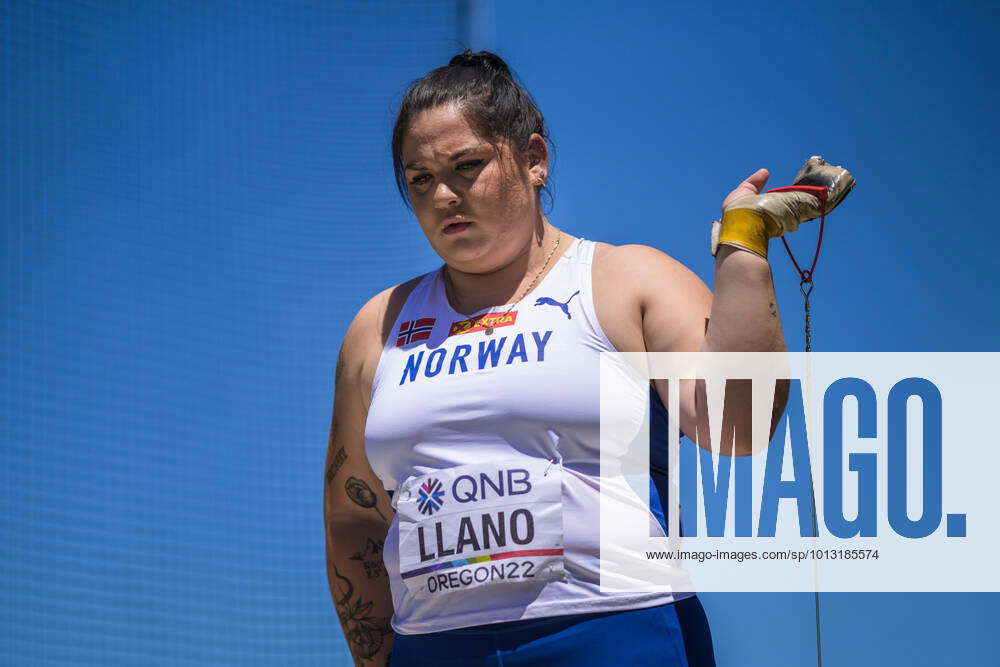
{"x": 750, "y": 222}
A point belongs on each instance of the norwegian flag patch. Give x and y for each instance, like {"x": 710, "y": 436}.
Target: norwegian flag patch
{"x": 415, "y": 330}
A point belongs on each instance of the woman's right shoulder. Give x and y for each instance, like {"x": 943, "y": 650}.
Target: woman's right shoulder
{"x": 372, "y": 325}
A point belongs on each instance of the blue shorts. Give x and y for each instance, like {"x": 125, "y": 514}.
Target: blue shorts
{"x": 671, "y": 635}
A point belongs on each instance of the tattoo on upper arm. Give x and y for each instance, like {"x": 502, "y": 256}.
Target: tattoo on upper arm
{"x": 335, "y": 465}
{"x": 340, "y": 369}
{"x": 364, "y": 632}
{"x": 362, "y": 494}
{"x": 371, "y": 559}
{"x": 774, "y": 309}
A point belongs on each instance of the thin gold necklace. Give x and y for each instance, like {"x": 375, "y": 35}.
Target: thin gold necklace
{"x": 477, "y": 321}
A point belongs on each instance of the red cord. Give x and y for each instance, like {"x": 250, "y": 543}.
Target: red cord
{"x": 822, "y": 194}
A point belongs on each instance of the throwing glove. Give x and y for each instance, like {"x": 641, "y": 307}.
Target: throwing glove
{"x": 750, "y": 222}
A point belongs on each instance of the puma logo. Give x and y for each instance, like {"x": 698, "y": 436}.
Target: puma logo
{"x": 564, "y": 305}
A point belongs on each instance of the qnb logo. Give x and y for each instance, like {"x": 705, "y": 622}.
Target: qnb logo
{"x": 431, "y": 496}
{"x": 564, "y": 305}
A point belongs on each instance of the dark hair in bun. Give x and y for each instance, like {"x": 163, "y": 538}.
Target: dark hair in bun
{"x": 482, "y": 86}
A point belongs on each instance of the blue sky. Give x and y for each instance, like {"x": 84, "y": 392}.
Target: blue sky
{"x": 197, "y": 197}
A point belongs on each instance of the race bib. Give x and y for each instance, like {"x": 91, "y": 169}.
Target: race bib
{"x": 484, "y": 524}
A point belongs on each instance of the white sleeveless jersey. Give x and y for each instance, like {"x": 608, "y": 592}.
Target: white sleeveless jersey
{"x": 461, "y": 422}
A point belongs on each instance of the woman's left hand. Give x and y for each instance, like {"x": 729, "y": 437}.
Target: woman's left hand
{"x": 752, "y": 186}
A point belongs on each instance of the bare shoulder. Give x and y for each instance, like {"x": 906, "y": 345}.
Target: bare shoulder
{"x": 635, "y": 285}
{"x": 369, "y": 330}
{"x": 641, "y": 272}
{"x": 631, "y": 261}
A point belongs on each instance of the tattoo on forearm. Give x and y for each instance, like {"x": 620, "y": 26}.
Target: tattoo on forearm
{"x": 364, "y": 632}
{"x": 362, "y": 494}
{"x": 335, "y": 465}
{"x": 371, "y": 559}
{"x": 773, "y": 308}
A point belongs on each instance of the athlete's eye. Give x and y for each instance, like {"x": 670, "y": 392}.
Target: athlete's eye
{"x": 470, "y": 165}
{"x": 420, "y": 178}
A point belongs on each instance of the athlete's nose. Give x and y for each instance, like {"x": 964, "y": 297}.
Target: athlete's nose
{"x": 445, "y": 197}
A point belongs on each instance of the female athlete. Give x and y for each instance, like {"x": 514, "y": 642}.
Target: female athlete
{"x": 461, "y": 485}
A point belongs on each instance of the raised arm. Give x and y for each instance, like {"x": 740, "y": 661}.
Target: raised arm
{"x": 356, "y": 508}
{"x": 670, "y": 309}
{"x": 744, "y": 311}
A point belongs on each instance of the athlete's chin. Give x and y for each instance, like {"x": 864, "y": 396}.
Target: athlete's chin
{"x": 469, "y": 255}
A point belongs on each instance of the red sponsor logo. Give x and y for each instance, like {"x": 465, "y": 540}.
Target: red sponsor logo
{"x": 483, "y": 322}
